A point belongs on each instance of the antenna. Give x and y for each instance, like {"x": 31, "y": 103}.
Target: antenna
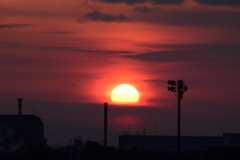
{"x": 156, "y": 129}
{"x": 144, "y": 131}
{"x": 20, "y": 106}
{"x": 105, "y": 125}
{"x": 71, "y": 151}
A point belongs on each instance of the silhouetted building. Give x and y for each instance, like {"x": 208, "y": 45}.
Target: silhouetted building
{"x": 169, "y": 143}
{"x": 21, "y": 133}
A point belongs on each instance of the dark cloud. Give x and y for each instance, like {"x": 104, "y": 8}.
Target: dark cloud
{"x": 106, "y": 17}
{"x": 142, "y": 9}
{"x": 165, "y": 2}
{"x": 132, "y": 2}
{"x": 11, "y": 45}
{"x": 13, "y": 25}
{"x": 166, "y": 56}
{"x": 193, "y": 17}
{"x": 219, "y": 2}
{"x": 188, "y": 53}
{"x": 89, "y": 51}
{"x": 58, "y": 32}
{"x": 155, "y": 81}
{"x": 58, "y": 48}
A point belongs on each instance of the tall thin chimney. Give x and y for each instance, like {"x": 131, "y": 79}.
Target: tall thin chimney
{"x": 105, "y": 125}
{"x": 20, "y": 106}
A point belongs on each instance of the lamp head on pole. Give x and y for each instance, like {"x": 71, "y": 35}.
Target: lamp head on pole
{"x": 178, "y": 86}
{"x": 171, "y": 82}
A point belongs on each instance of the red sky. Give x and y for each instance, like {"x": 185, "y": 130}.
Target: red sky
{"x": 64, "y": 58}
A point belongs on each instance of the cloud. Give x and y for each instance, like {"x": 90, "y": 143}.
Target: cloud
{"x": 89, "y": 51}
{"x": 12, "y": 45}
{"x": 154, "y": 81}
{"x": 129, "y": 2}
{"x": 132, "y": 2}
{"x": 142, "y": 9}
{"x": 165, "y": 56}
{"x": 233, "y": 3}
{"x": 105, "y": 17}
{"x": 192, "y": 17}
{"x": 188, "y": 53}
{"x": 165, "y": 2}
{"x": 13, "y": 25}
{"x": 58, "y": 32}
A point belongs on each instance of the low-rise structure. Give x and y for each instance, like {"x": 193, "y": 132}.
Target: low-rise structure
{"x": 169, "y": 143}
{"x": 21, "y": 133}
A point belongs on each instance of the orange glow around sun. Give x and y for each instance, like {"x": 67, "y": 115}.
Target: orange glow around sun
{"x": 125, "y": 93}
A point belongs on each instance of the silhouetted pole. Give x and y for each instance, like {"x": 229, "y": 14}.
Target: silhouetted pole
{"x": 180, "y": 93}
{"x": 105, "y": 125}
{"x": 20, "y": 106}
{"x": 71, "y": 151}
{"x": 178, "y": 87}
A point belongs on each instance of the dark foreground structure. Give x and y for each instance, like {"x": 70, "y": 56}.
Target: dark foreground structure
{"x": 94, "y": 151}
{"x": 21, "y": 133}
{"x": 168, "y": 143}
{"x": 99, "y": 152}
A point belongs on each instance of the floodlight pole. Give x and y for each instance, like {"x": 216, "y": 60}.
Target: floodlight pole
{"x": 180, "y": 93}
{"x": 178, "y": 87}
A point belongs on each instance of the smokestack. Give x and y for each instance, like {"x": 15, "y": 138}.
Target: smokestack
{"x": 105, "y": 125}
{"x": 20, "y": 106}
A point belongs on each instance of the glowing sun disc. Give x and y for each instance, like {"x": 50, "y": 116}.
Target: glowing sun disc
{"x": 125, "y": 93}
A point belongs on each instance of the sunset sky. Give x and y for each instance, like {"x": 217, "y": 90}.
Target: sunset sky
{"x": 64, "y": 57}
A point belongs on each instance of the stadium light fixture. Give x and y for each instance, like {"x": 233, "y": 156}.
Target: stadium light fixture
{"x": 178, "y": 88}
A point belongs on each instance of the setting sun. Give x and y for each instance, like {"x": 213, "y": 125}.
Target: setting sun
{"x": 125, "y": 93}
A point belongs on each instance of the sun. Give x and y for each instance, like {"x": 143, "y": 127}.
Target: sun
{"x": 125, "y": 93}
